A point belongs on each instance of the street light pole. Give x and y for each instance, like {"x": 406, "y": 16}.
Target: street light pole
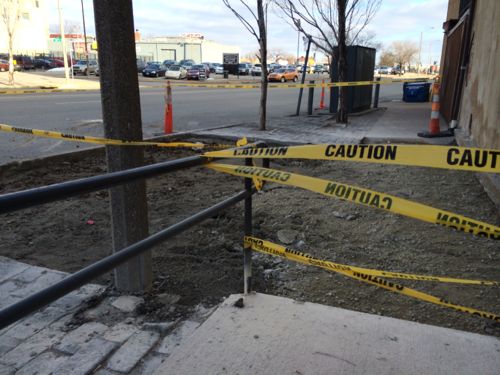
{"x": 85, "y": 39}
{"x": 63, "y": 42}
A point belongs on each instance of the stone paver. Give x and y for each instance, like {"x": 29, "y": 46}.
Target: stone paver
{"x": 9, "y": 268}
{"x": 6, "y": 370}
{"x": 120, "y": 332}
{"x": 44, "y": 364}
{"x": 87, "y": 358}
{"x": 127, "y": 357}
{"x": 31, "y": 347}
{"x": 34, "y": 323}
{"x": 77, "y": 338}
{"x": 150, "y": 363}
{"x": 45, "y": 280}
{"x": 127, "y": 303}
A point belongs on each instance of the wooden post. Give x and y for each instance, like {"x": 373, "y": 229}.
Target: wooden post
{"x": 121, "y": 113}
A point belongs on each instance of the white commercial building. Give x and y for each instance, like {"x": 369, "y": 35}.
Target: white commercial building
{"x": 187, "y": 46}
{"x": 31, "y": 29}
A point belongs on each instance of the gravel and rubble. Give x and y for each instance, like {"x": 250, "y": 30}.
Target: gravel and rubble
{"x": 199, "y": 268}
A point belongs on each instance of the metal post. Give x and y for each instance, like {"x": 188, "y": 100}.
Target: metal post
{"x": 121, "y": 111}
{"x": 303, "y": 75}
{"x": 310, "y": 100}
{"x": 85, "y": 40}
{"x": 377, "y": 92}
{"x": 247, "y": 252}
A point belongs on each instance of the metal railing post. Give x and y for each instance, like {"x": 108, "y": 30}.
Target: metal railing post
{"x": 247, "y": 252}
{"x": 310, "y": 100}
{"x": 377, "y": 93}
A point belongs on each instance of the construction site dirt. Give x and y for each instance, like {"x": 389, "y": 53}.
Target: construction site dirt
{"x": 205, "y": 264}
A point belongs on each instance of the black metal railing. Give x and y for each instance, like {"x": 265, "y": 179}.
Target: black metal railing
{"x": 32, "y": 197}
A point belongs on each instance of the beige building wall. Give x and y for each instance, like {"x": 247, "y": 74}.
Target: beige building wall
{"x": 32, "y": 29}
{"x": 480, "y": 103}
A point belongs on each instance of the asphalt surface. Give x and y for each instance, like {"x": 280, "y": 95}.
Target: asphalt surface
{"x": 193, "y": 108}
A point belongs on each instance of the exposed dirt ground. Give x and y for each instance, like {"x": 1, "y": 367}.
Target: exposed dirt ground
{"x": 204, "y": 264}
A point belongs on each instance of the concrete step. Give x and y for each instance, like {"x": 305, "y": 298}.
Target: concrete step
{"x": 276, "y": 335}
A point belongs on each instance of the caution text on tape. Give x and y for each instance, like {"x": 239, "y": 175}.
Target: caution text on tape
{"x": 447, "y": 157}
{"x": 277, "y": 250}
{"x": 366, "y": 197}
{"x": 97, "y": 140}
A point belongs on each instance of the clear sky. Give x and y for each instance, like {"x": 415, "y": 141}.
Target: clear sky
{"x": 396, "y": 20}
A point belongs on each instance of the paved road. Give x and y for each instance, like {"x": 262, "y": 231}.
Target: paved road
{"x": 194, "y": 108}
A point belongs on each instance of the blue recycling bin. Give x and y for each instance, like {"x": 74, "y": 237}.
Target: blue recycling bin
{"x": 416, "y": 92}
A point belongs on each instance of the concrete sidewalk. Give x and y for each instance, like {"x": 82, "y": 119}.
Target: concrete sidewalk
{"x": 396, "y": 122}
{"x": 275, "y": 335}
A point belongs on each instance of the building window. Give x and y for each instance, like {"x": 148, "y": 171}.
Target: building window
{"x": 25, "y": 16}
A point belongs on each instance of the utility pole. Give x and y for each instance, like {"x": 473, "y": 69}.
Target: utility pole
{"x": 63, "y": 42}
{"x": 420, "y": 54}
{"x": 121, "y": 113}
{"x": 298, "y": 41}
{"x": 85, "y": 39}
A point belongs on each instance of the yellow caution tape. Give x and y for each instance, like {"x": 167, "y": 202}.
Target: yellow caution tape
{"x": 40, "y": 91}
{"x": 366, "y": 197}
{"x": 281, "y": 251}
{"x": 371, "y": 272}
{"x": 447, "y": 157}
{"x": 100, "y": 141}
{"x": 227, "y": 86}
{"x": 294, "y": 85}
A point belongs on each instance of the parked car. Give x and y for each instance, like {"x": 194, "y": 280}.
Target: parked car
{"x": 4, "y": 65}
{"x": 244, "y": 69}
{"x": 58, "y": 63}
{"x": 318, "y": 69}
{"x": 97, "y": 72}
{"x": 25, "y": 62}
{"x": 256, "y": 70}
{"x": 198, "y": 72}
{"x": 219, "y": 69}
{"x": 169, "y": 63}
{"x": 154, "y": 70}
{"x": 398, "y": 70}
{"x": 384, "y": 70}
{"x": 81, "y": 67}
{"x": 272, "y": 67}
{"x": 214, "y": 66}
{"x": 141, "y": 65}
{"x": 283, "y": 75}
{"x": 43, "y": 64}
{"x": 175, "y": 72}
{"x": 301, "y": 69}
{"x": 187, "y": 63}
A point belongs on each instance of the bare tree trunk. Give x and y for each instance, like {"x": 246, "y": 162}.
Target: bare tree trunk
{"x": 11, "y": 59}
{"x": 263, "y": 60}
{"x": 342, "y": 63}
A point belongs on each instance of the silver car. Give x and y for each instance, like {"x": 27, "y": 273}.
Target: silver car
{"x": 81, "y": 67}
{"x": 175, "y": 72}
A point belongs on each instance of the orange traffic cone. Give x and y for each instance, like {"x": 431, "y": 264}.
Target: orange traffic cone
{"x": 168, "y": 119}
{"x": 322, "y": 100}
{"x": 434, "y": 121}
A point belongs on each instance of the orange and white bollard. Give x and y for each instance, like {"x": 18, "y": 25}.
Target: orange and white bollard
{"x": 168, "y": 119}
{"x": 434, "y": 121}
{"x": 322, "y": 100}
